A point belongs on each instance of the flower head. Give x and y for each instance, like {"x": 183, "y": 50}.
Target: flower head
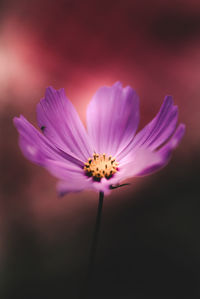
{"x": 109, "y": 151}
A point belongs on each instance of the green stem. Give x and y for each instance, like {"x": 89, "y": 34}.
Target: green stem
{"x": 96, "y": 234}
{"x": 93, "y": 249}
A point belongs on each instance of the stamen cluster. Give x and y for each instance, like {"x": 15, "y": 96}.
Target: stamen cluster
{"x": 101, "y": 166}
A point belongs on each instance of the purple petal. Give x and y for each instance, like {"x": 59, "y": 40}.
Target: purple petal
{"x": 61, "y": 124}
{"x": 72, "y": 178}
{"x": 157, "y": 131}
{"x": 167, "y": 149}
{"x": 144, "y": 161}
{"x": 78, "y": 183}
{"x": 64, "y": 187}
{"x": 112, "y": 118}
{"x": 37, "y": 148}
{"x": 104, "y": 185}
{"x": 64, "y": 171}
{"x": 141, "y": 160}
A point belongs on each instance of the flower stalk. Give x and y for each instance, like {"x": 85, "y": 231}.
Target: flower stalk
{"x": 85, "y": 292}
{"x": 95, "y": 236}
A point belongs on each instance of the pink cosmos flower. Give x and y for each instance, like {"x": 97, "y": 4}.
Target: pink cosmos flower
{"x": 109, "y": 151}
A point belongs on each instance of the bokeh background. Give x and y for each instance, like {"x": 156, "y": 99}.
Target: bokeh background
{"x": 149, "y": 245}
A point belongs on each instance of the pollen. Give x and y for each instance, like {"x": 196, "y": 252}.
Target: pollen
{"x": 101, "y": 166}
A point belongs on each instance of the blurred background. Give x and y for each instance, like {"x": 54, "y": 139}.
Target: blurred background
{"x": 149, "y": 244}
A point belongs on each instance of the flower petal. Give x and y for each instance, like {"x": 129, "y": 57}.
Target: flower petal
{"x": 37, "y": 148}
{"x": 174, "y": 141}
{"x": 63, "y": 170}
{"x": 144, "y": 161}
{"x": 141, "y": 160}
{"x": 61, "y": 124}
{"x": 112, "y": 118}
{"x": 157, "y": 131}
{"x": 64, "y": 187}
{"x": 72, "y": 178}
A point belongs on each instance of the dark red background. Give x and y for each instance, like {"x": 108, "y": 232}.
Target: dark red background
{"x": 149, "y": 241}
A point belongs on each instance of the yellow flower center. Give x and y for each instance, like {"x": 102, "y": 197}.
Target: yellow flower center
{"x": 101, "y": 166}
